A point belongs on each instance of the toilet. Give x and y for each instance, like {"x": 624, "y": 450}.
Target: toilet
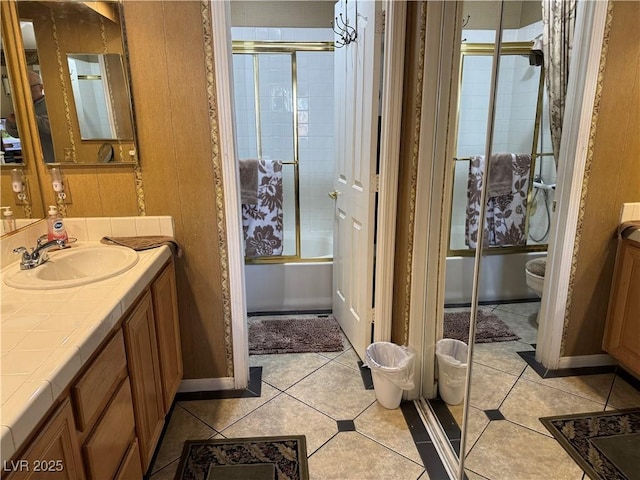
{"x": 534, "y": 271}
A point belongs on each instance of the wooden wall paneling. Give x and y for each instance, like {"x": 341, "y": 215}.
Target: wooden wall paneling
{"x": 195, "y": 180}
{"x": 101, "y": 191}
{"x": 614, "y": 179}
{"x": 174, "y": 138}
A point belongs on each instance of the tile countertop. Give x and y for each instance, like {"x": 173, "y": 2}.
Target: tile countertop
{"x": 48, "y": 335}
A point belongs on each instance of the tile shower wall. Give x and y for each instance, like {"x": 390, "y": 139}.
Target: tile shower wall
{"x": 315, "y": 123}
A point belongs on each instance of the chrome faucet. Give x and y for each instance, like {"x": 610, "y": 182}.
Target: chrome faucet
{"x": 38, "y": 254}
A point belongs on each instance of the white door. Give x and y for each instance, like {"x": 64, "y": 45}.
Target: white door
{"x": 357, "y": 86}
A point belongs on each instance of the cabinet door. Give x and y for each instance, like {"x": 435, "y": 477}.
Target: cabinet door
{"x": 622, "y": 336}
{"x": 131, "y": 468}
{"x": 54, "y": 454}
{"x": 144, "y": 371}
{"x": 165, "y": 308}
{"x": 109, "y": 441}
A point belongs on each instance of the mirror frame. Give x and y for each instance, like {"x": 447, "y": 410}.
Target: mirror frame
{"x": 12, "y": 44}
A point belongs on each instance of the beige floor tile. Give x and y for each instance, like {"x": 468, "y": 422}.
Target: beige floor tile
{"x": 182, "y": 426}
{"x": 283, "y": 370}
{"x": 284, "y": 415}
{"x": 489, "y": 387}
{"x": 477, "y": 422}
{"x": 528, "y": 401}
{"x": 623, "y": 395}
{"x": 507, "y": 452}
{"x": 351, "y": 456}
{"x": 166, "y": 473}
{"x": 523, "y": 326}
{"x": 593, "y": 387}
{"x": 526, "y": 309}
{"x": 389, "y": 428}
{"x": 501, "y": 356}
{"x": 219, "y": 414}
{"x": 470, "y": 475}
{"x": 335, "y": 390}
{"x": 349, "y": 359}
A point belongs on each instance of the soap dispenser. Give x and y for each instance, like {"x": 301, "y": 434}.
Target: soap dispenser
{"x": 8, "y": 222}
{"x": 55, "y": 225}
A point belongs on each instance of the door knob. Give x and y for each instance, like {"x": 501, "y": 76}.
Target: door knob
{"x": 334, "y": 194}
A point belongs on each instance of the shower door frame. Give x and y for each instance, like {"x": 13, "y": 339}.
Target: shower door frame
{"x": 255, "y": 48}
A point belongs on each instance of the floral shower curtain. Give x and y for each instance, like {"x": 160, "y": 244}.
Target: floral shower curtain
{"x": 558, "y": 18}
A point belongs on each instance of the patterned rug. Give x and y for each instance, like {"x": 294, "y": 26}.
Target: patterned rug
{"x": 606, "y": 445}
{"x": 261, "y": 458}
{"x": 489, "y": 328}
{"x": 294, "y": 334}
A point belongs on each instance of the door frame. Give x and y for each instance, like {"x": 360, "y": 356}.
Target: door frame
{"x": 391, "y": 98}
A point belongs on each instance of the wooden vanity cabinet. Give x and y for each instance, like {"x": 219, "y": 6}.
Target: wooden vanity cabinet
{"x": 109, "y": 420}
{"x": 144, "y": 369}
{"x": 622, "y": 332}
{"x": 165, "y": 308}
{"x": 53, "y": 454}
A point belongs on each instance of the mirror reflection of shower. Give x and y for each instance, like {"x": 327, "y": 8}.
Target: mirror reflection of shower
{"x": 522, "y": 113}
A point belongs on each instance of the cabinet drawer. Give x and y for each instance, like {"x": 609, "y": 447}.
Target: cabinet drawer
{"x": 108, "y": 443}
{"x": 95, "y": 388}
{"x": 131, "y": 468}
{"x": 53, "y": 455}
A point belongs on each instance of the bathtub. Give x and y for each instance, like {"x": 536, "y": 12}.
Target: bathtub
{"x": 502, "y": 278}
{"x": 283, "y": 287}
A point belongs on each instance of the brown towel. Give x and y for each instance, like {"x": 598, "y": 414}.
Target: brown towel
{"x": 145, "y": 242}
{"x": 249, "y": 181}
{"x": 626, "y": 228}
{"x": 500, "y": 174}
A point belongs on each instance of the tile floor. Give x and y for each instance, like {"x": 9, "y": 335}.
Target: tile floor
{"x": 310, "y": 393}
{"x": 504, "y": 385}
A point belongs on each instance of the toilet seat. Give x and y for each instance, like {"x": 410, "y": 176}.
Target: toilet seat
{"x": 537, "y": 266}
{"x": 534, "y": 270}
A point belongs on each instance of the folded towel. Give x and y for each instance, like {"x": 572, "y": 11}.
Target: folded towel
{"x": 500, "y": 174}
{"x": 627, "y": 228}
{"x": 145, "y": 242}
{"x": 248, "y": 181}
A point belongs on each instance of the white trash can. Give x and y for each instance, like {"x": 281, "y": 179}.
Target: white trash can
{"x": 452, "y": 369}
{"x": 392, "y": 372}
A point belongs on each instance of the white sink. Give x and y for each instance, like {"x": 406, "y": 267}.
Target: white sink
{"x": 78, "y": 265}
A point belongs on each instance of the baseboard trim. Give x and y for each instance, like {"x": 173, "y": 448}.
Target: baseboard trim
{"x": 206, "y": 384}
{"x": 589, "y": 367}
{"x": 209, "y": 388}
{"x": 582, "y": 361}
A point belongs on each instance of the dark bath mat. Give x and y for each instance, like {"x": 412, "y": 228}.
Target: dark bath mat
{"x": 286, "y": 334}
{"x": 489, "y": 327}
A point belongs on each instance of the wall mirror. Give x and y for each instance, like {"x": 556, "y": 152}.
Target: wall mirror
{"x": 502, "y": 119}
{"x": 81, "y": 63}
{"x": 38, "y": 37}
{"x": 101, "y": 96}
